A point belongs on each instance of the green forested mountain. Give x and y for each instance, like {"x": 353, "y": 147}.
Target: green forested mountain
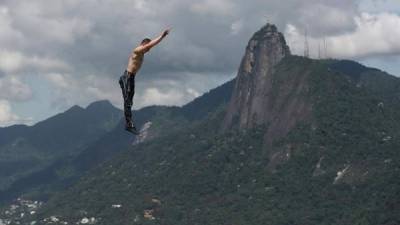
{"x": 43, "y": 183}
{"x": 300, "y": 141}
{"x": 339, "y": 167}
{"x": 25, "y": 149}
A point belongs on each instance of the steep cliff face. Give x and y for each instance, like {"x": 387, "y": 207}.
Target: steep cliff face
{"x": 258, "y": 98}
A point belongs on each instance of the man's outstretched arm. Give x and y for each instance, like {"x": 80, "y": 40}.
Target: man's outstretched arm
{"x": 154, "y": 42}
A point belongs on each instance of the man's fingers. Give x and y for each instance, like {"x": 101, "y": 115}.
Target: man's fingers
{"x": 166, "y": 32}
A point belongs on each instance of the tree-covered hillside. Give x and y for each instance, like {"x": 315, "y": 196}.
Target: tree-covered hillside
{"x": 161, "y": 120}
{"x": 27, "y": 149}
{"x": 340, "y": 166}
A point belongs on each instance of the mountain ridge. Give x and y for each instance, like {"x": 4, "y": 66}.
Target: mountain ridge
{"x": 61, "y": 135}
{"x": 338, "y": 166}
{"x": 42, "y": 183}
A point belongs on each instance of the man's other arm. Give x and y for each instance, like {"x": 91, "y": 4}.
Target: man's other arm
{"x": 153, "y": 43}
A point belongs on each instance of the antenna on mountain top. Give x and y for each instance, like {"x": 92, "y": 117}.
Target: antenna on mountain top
{"x": 267, "y": 19}
{"x": 325, "y": 48}
{"x": 319, "y": 49}
{"x": 306, "y": 46}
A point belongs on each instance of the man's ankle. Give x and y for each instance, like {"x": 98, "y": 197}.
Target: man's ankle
{"x": 130, "y": 124}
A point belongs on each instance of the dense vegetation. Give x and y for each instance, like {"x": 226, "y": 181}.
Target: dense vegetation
{"x": 56, "y": 175}
{"x": 27, "y": 149}
{"x": 341, "y": 167}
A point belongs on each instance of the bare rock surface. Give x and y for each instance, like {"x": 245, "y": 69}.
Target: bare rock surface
{"x": 257, "y": 99}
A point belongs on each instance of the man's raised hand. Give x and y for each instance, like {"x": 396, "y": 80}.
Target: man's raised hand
{"x": 165, "y": 33}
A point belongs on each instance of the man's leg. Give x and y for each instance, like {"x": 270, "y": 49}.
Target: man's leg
{"x": 129, "y": 99}
{"x": 130, "y": 92}
{"x": 127, "y": 84}
{"x": 123, "y": 83}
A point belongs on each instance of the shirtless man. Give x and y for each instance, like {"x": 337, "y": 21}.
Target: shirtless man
{"x": 127, "y": 81}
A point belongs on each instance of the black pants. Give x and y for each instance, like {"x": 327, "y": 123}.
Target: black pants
{"x": 127, "y": 84}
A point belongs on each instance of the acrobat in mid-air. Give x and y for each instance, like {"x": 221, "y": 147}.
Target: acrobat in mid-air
{"x": 127, "y": 80}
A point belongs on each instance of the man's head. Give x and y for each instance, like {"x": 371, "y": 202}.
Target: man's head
{"x": 145, "y": 41}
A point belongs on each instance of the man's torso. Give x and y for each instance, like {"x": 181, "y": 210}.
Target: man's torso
{"x": 135, "y": 61}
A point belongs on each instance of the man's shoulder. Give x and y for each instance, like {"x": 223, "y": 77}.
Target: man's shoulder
{"x": 139, "y": 50}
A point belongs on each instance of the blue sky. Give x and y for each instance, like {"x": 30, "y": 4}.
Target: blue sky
{"x": 55, "y": 54}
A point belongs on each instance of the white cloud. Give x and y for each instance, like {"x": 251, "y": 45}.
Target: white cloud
{"x": 143, "y": 6}
{"x": 10, "y": 61}
{"x": 8, "y": 34}
{"x": 11, "y": 88}
{"x": 173, "y": 91}
{"x": 69, "y": 90}
{"x": 6, "y": 116}
{"x": 153, "y": 96}
{"x": 45, "y": 64}
{"x": 325, "y": 19}
{"x": 375, "y": 34}
{"x": 58, "y": 80}
{"x": 66, "y": 90}
{"x": 378, "y": 6}
{"x": 236, "y": 27}
{"x": 193, "y": 93}
{"x": 46, "y": 20}
{"x": 208, "y": 35}
{"x": 81, "y": 47}
{"x": 14, "y": 61}
{"x": 214, "y": 7}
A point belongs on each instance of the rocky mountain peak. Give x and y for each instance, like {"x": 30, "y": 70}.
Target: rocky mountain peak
{"x": 268, "y": 47}
{"x": 256, "y": 99}
{"x": 270, "y": 33}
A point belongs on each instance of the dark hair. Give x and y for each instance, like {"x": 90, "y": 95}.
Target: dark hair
{"x": 146, "y": 40}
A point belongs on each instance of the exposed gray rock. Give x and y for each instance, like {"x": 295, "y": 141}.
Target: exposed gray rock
{"x": 265, "y": 49}
{"x": 144, "y": 133}
{"x": 255, "y": 100}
